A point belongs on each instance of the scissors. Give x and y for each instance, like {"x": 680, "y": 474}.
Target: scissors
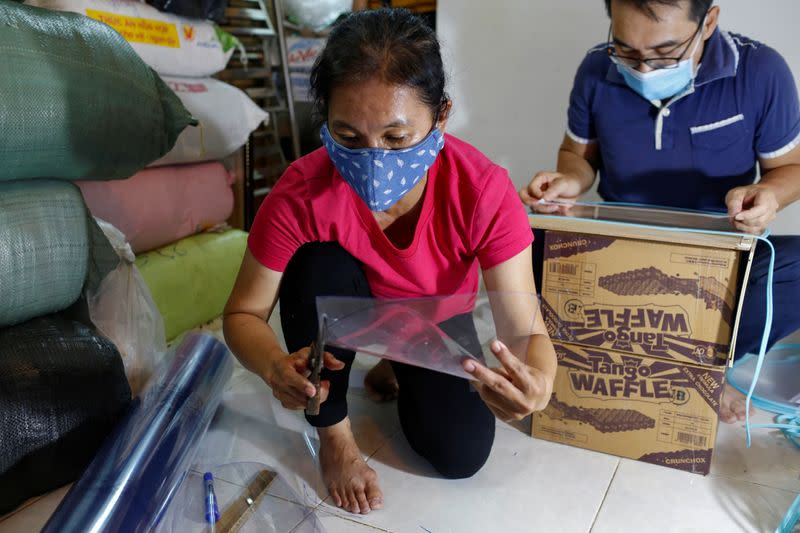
{"x": 315, "y": 361}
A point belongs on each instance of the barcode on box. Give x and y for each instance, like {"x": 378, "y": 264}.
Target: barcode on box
{"x": 565, "y": 269}
{"x": 691, "y": 439}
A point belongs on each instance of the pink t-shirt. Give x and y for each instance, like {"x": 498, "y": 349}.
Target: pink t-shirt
{"x": 470, "y": 215}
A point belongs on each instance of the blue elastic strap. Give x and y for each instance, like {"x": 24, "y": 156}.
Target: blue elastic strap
{"x": 789, "y": 410}
{"x": 791, "y": 519}
{"x": 768, "y": 311}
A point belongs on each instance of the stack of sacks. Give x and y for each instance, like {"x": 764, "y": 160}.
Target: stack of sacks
{"x": 77, "y": 102}
{"x": 187, "y": 191}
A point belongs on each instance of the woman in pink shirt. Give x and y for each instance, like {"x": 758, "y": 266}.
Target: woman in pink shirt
{"x": 390, "y": 207}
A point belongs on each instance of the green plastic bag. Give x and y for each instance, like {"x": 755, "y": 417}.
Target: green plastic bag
{"x": 76, "y": 102}
{"x": 190, "y": 280}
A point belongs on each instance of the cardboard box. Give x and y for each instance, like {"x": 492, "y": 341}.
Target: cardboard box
{"x": 644, "y": 321}
{"x": 661, "y": 299}
{"x": 641, "y": 407}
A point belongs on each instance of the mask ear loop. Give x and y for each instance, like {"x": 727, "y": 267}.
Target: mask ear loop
{"x": 700, "y": 30}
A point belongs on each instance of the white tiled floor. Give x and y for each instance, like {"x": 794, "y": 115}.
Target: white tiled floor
{"x": 527, "y": 485}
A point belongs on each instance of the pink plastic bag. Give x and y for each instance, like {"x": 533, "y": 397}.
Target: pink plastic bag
{"x": 161, "y": 205}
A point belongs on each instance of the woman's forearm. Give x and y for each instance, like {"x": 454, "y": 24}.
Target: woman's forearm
{"x": 541, "y": 354}
{"x": 253, "y": 342}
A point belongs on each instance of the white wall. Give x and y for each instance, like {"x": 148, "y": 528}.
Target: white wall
{"x": 512, "y": 63}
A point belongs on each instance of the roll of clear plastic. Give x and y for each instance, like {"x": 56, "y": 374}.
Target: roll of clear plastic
{"x": 135, "y": 475}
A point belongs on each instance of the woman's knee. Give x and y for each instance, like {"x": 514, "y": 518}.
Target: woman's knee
{"x": 454, "y": 452}
{"x": 461, "y": 461}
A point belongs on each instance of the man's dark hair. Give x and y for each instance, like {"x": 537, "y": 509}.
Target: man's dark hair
{"x": 393, "y": 45}
{"x": 698, "y": 8}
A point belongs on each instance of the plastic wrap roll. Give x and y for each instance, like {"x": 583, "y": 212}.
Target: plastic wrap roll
{"x": 191, "y": 279}
{"x": 134, "y": 476}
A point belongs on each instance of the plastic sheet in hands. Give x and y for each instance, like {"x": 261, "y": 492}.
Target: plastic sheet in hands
{"x": 412, "y": 331}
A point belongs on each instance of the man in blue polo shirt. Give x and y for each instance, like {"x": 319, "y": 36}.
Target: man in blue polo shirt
{"x": 673, "y": 111}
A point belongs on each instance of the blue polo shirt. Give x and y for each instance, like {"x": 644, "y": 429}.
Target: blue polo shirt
{"x": 688, "y": 151}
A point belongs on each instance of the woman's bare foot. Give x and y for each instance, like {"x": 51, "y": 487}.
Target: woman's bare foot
{"x": 351, "y": 483}
{"x": 732, "y": 408}
{"x": 380, "y": 382}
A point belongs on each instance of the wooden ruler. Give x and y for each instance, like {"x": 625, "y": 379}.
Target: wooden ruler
{"x": 238, "y": 512}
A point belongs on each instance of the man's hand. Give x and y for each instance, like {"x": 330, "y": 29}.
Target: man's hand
{"x": 550, "y": 186}
{"x": 752, "y": 208}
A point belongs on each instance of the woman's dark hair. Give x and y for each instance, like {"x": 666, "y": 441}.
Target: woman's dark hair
{"x": 697, "y": 8}
{"x": 393, "y": 45}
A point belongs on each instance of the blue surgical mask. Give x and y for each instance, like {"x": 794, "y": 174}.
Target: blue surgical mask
{"x": 382, "y": 177}
{"x": 663, "y": 83}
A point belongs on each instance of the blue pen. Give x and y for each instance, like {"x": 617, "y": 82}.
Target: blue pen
{"x": 212, "y": 511}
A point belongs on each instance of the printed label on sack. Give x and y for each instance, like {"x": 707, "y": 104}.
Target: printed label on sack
{"x": 139, "y": 30}
{"x": 187, "y": 87}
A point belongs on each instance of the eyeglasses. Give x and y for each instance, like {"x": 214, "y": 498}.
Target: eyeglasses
{"x": 655, "y": 63}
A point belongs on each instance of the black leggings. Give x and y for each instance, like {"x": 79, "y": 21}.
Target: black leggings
{"x": 444, "y": 420}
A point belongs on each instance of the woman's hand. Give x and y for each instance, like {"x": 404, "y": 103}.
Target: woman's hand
{"x": 513, "y": 391}
{"x": 287, "y": 377}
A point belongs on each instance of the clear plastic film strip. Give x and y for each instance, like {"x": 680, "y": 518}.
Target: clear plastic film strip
{"x": 136, "y": 473}
{"x": 247, "y": 497}
{"x": 778, "y": 387}
{"x": 249, "y": 427}
{"x": 683, "y": 220}
{"x": 437, "y": 333}
{"x": 637, "y": 214}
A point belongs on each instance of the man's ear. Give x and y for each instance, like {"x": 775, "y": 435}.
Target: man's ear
{"x": 712, "y": 21}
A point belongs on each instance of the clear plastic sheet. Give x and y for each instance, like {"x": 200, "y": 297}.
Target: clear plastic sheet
{"x": 419, "y": 331}
{"x": 136, "y": 473}
{"x": 275, "y": 510}
{"x": 644, "y": 214}
{"x": 778, "y": 388}
{"x": 250, "y": 426}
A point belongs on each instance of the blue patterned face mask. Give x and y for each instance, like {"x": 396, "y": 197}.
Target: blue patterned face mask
{"x": 382, "y": 177}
